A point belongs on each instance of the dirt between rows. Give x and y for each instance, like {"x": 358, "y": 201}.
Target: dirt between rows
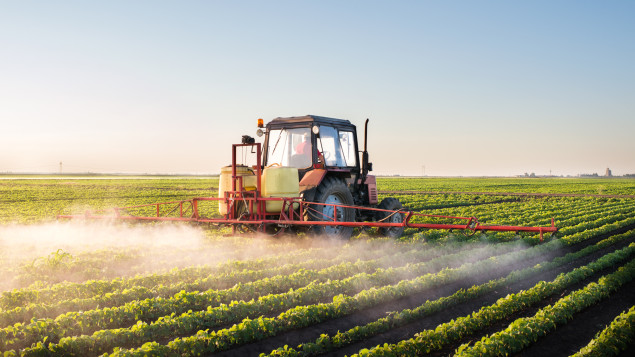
{"x": 576, "y": 341}
{"x": 570, "y": 338}
{"x": 309, "y": 334}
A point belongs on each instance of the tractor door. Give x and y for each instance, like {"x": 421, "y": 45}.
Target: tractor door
{"x": 337, "y": 147}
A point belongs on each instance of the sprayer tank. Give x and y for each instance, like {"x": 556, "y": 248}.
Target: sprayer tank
{"x": 279, "y": 181}
{"x": 225, "y": 183}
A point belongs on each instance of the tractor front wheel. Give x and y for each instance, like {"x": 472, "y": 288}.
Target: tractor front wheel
{"x": 333, "y": 191}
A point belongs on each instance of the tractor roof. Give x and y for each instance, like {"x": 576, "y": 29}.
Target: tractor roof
{"x": 306, "y": 119}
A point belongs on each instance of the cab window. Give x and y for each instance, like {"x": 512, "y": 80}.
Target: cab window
{"x": 347, "y": 142}
{"x": 290, "y": 147}
{"x": 337, "y": 148}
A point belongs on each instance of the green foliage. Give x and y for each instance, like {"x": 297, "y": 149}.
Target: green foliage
{"x": 197, "y": 310}
{"x": 614, "y": 339}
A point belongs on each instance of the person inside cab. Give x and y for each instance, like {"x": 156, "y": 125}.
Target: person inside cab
{"x": 302, "y": 156}
{"x": 304, "y": 147}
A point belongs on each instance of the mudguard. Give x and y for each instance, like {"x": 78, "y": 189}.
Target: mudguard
{"x": 310, "y": 182}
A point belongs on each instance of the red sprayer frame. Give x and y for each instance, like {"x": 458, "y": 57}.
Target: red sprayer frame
{"x": 256, "y": 217}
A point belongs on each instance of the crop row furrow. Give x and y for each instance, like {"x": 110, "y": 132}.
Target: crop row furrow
{"x": 65, "y": 291}
{"x": 522, "y": 210}
{"x": 431, "y": 340}
{"x": 326, "y": 343}
{"x": 223, "y": 281}
{"x": 544, "y": 208}
{"x": 526, "y": 330}
{"x": 569, "y": 228}
{"x": 301, "y": 316}
{"x": 20, "y": 336}
{"x": 614, "y": 339}
{"x": 570, "y": 216}
{"x": 569, "y": 223}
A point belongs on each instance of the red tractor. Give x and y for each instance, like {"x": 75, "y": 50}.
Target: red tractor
{"x": 309, "y": 176}
{"x": 330, "y": 172}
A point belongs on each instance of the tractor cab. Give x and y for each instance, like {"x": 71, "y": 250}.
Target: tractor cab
{"x": 312, "y": 142}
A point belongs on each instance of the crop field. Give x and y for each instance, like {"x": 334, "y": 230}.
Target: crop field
{"x": 123, "y": 289}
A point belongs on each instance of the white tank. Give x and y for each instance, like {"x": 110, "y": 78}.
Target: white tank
{"x": 225, "y": 183}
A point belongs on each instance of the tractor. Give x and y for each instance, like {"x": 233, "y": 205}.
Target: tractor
{"x": 309, "y": 176}
{"x": 330, "y": 172}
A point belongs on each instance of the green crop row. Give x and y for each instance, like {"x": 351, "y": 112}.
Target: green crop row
{"x": 215, "y": 281}
{"x": 533, "y": 185}
{"x": 526, "y": 211}
{"x": 600, "y": 223}
{"x": 430, "y": 340}
{"x": 20, "y": 336}
{"x": 593, "y": 222}
{"x": 573, "y": 220}
{"x": 66, "y": 291}
{"x": 614, "y": 339}
{"x": 326, "y": 343}
{"x": 522, "y": 213}
{"x": 47, "y": 198}
{"x": 590, "y": 233}
{"x": 342, "y": 305}
{"x": 570, "y": 217}
{"x": 527, "y": 330}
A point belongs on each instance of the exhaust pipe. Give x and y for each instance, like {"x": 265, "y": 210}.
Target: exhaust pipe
{"x": 366, "y": 166}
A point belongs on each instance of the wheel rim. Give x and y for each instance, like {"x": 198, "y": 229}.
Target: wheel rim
{"x": 395, "y": 218}
{"x": 328, "y": 213}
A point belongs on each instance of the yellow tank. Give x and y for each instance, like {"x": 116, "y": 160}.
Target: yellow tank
{"x": 225, "y": 182}
{"x": 280, "y": 181}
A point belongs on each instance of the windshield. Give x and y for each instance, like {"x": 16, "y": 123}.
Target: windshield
{"x": 290, "y": 147}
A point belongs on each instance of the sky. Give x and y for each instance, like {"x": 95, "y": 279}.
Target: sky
{"x": 451, "y": 88}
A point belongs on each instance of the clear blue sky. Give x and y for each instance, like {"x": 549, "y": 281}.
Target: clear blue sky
{"x": 460, "y": 87}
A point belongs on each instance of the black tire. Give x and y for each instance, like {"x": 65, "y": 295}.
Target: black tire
{"x": 332, "y": 190}
{"x": 393, "y": 204}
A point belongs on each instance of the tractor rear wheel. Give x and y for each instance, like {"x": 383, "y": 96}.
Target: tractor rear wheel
{"x": 333, "y": 191}
{"x": 392, "y": 204}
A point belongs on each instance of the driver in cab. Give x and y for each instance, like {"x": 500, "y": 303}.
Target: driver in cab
{"x": 303, "y": 155}
{"x": 304, "y": 147}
